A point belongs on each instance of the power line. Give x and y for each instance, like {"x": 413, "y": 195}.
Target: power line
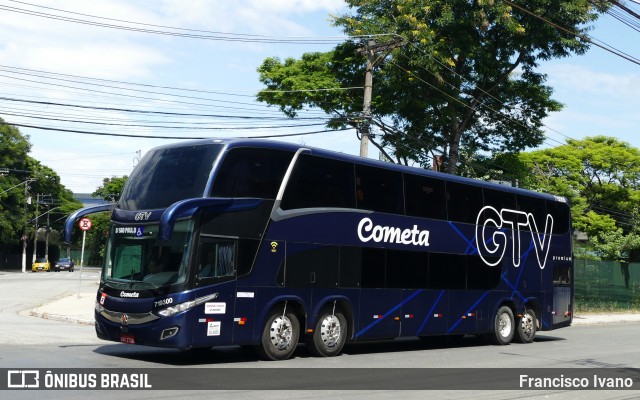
{"x": 49, "y": 103}
{"x": 139, "y": 23}
{"x": 161, "y": 137}
{"x": 218, "y": 92}
{"x": 489, "y": 95}
{"x": 457, "y": 100}
{"x": 226, "y": 37}
{"x": 179, "y": 32}
{"x": 142, "y": 97}
{"x": 586, "y": 38}
{"x": 164, "y": 126}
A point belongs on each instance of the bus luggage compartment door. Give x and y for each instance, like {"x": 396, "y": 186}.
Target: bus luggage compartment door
{"x": 424, "y": 312}
{"x": 380, "y": 314}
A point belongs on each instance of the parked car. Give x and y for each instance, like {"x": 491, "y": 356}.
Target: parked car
{"x": 63, "y": 264}
{"x": 41, "y": 264}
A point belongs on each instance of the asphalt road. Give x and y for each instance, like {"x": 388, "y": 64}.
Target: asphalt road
{"x": 27, "y": 342}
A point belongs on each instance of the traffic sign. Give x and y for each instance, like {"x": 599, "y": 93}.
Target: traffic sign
{"x": 85, "y": 224}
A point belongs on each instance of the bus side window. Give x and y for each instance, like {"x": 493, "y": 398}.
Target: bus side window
{"x": 561, "y": 216}
{"x": 425, "y": 197}
{"x": 373, "y": 268}
{"x": 379, "y": 190}
{"x": 499, "y": 200}
{"x": 320, "y": 182}
{"x": 464, "y": 202}
{"x": 535, "y": 207}
{"x": 562, "y": 275}
{"x": 251, "y": 172}
{"x": 216, "y": 259}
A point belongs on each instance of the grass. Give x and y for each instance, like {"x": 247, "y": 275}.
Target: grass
{"x": 596, "y": 306}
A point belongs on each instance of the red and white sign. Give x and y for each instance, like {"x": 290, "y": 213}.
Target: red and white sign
{"x": 85, "y": 224}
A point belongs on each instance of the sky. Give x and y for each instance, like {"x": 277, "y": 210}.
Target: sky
{"x": 59, "y": 64}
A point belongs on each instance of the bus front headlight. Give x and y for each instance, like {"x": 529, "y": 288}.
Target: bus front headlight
{"x": 187, "y": 305}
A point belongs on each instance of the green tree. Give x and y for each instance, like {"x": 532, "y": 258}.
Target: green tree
{"x": 601, "y": 178}
{"x": 96, "y": 236}
{"x": 465, "y": 78}
{"x": 111, "y": 188}
{"x": 617, "y": 246}
{"x": 599, "y": 175}
{"x": 43, "y": 183}
{"x": 14, "y": 149}
{"x": 55, "y": 196}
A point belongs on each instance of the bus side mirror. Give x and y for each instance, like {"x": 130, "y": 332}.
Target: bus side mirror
{"x": 71, "y": 219}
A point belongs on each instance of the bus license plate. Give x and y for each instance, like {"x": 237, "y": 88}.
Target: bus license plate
{"x": 126, "y": 338}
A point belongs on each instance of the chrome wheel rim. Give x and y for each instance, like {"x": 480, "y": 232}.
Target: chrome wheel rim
{"x": 281, "y": 332}
{"x": 504, "y": 325}
{"x": 526, "y": 325}
{"x": 330, "y": 331}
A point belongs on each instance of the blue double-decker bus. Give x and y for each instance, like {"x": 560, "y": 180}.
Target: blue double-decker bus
{"x": 249, "y": 242}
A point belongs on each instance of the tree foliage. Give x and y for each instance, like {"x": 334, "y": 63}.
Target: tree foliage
{"x": 601, "y": 178}
{"x": 465, "y": 78}
{"x": 21, "y": 170}
{"x": 617, "y": 246}
{"x": 111, "y": 188}
{"x": 14, "y": 149}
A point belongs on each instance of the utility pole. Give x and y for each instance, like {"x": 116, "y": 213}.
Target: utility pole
{"x": 46, "y": 245}
{"x": 371, "y": 50}
{"x": 365, "y": 129}
{"x": 35, "y": 234}
{"x": 24, "y": 231}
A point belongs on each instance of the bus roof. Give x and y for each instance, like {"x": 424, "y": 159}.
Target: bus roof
{"x": 230, "y": 143}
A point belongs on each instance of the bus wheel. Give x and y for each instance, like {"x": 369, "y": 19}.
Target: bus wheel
{"x": 280, "y": 336}
{"x": 526, "y": 327}
{"x": 503, "y": 326}
{"x": 329, "y": 336}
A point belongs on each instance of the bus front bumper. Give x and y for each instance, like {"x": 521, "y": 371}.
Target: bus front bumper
{"x": 170, "y": 332}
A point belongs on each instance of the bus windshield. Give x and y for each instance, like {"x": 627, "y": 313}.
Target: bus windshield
{"x": 167, "y": 175}
{"x": 137, "y": 260}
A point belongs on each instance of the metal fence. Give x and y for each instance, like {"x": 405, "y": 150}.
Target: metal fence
{"x": 607, "y": 282}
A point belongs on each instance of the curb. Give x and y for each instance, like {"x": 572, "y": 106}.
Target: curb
{"x": 61, "y": 318}
{"x": 73, "y": 308}
{"x": 604, "y": 319}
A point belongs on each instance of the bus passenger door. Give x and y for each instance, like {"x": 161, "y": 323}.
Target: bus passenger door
{"x": 214, "y": 325}
{"x": 215, "y": 269}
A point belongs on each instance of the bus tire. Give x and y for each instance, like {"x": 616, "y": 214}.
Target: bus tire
{"x": 504, "y": 326}
{"x": 330, "y": 334}
{"x": 526, "y": 330}
{"x": 279, "y": 336}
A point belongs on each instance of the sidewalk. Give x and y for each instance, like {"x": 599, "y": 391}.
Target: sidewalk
{"x": 79, "y": 310}
{"x": 74, "y": 309}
